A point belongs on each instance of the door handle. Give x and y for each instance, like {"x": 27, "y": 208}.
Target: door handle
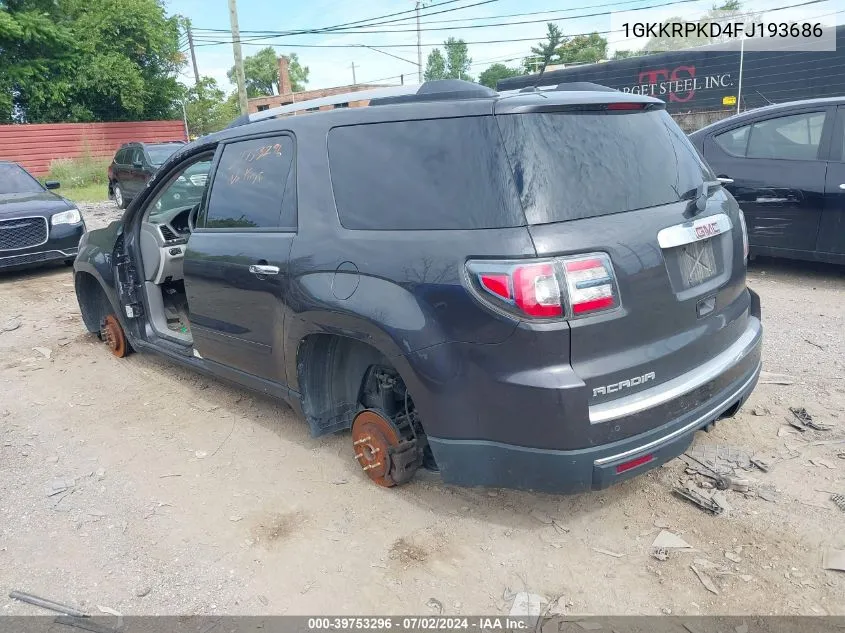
{"x": 725, "y": 180}
{"x": 262, "y": 269}
{"x": 842, "y": 186}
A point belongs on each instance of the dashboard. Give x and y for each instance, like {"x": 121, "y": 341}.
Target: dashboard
{"x": 164, "y": 237}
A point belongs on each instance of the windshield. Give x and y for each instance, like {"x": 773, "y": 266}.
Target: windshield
{"x": 581, "y": 165}
{"x": 15, "y": 179}
{"x": 160, "y": 153}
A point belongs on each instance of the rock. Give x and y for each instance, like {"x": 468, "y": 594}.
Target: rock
{"x": 760, "y": 411}
{"x": 733, "y": 557}
{"x": 746, "y": 577}
{"x": 143, "y": 590}
{"x": 434, "y": 603}
{"x": 263, "y": 600}
{"x": 46, "y": 352}
{"x": 100, "y": 474}
{"x": 235, "y": 518}
{"x": 10, "y": 325}
{"x": 200, "y": 454}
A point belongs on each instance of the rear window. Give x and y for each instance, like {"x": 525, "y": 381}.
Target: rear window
{"x": 421, "y": 175}
{"x": 582, "y": 165}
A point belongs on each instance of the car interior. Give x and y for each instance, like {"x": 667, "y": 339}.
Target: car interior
{"x": 165, "y": 229}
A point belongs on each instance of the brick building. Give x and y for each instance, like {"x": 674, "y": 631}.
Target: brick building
{"x": 287, "y": 96}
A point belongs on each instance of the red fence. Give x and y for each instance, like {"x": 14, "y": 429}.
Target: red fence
{"x": 34, "y": 146}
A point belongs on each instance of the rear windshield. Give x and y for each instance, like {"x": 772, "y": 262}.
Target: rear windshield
{"x": 419, "y": 175}
{"x": 13, "y": 179}
{"x": 581, "y": 165}
{"x": 160, "y": 153}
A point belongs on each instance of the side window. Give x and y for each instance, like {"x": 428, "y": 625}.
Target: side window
{"x": 136, "y": 155}
{"x": 120, "y": 157}
{"x": 254, "y": 186}
{"x": 734, "y": 141}
{"x": 795, "y": 137}
{"x": 185, "y": 189}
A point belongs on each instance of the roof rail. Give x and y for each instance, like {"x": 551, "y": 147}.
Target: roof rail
{"x": 346, "y": 97}
{"x": 441, "y": 90}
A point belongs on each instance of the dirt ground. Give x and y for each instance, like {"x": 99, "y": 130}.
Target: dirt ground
{"x": 146, "y": 488}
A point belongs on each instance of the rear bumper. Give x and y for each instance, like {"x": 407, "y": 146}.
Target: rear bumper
{"x": 488, "y": 463}
{"x": 62, "y": 243}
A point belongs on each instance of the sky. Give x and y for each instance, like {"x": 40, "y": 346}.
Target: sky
{"x": 331, "y": 66}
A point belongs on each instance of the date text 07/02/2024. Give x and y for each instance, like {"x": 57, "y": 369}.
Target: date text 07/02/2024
{"x": 715, "y": 30}
{"x": 421, "y": 623}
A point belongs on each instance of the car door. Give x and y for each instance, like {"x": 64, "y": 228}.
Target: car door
{"x": 832, "y": 227}
{"x": 120, "y": 169}
{"x": 236, "y": 264}
{"x": 778, "y": 165}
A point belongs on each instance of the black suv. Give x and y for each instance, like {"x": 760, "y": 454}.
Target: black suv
{"x": 132, "y": 167}
{"x": 542, "y": 290}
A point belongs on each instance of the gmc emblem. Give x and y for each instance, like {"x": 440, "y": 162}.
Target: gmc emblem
{"x": 707, "y": 230}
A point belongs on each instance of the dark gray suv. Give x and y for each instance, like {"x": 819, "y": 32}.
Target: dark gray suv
{"x": 540, "y": 290}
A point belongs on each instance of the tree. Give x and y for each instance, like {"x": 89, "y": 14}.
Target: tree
{"x": 582, "y": 49}
{"x": 455, "y": 65}
{"x": 625, "y": 54}
{"x": 729, "y": 11}
{"x": 262, "y": 73}
{"x": 207, "y": 108}
{"x": 544, "y": 51}
{"x": 73, "y": 60}
{"x": 496, "y": 73}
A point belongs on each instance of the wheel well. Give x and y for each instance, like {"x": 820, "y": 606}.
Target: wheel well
{"x": 333, "y": 372}
{"x": 93, "y": 302}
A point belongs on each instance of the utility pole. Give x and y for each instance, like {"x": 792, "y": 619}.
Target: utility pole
{"x": 354, "y": 81}
{"x": 419, "y": 47}
{"x": 193, "y": 53}
{"x": 239, "y": 60}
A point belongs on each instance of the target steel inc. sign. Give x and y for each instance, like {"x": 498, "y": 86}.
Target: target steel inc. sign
{"x": 677, "y": 85}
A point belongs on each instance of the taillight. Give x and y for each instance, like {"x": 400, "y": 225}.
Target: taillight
{"x": 565, "y": 287}
{"x": 745, "y": 249}
{"x": 625, "y": 106}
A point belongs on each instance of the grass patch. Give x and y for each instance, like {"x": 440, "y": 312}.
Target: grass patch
{"x": 87, "y": 193}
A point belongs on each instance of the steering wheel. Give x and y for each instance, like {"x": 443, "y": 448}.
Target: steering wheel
{"x": 192, "y": 217}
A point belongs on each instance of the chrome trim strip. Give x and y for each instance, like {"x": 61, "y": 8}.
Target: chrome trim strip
{"x": 689, "y": 232}
{"x": 67, "y": 253}
{"x": 29, "y": 217}
{"x": 684, "y": 429}
{"x": 671, "y": 389}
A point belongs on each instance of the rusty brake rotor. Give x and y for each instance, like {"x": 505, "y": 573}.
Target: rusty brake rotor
{"x": 372, "y": 438}
{"x": 112, "y": 334}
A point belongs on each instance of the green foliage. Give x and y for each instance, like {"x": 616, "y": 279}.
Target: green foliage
{"x": 207, "y": 108}
{"x": 582, "y": 49}
{"x": 545, "y": 51}
{"x": 80, "y": 172}
{"x": 625, "y": 54}
{"x": 76, "y": 60}
{"x": 262, "y": 73}
{"x": 495, "y": 73}
{"x": 454, "y": 65}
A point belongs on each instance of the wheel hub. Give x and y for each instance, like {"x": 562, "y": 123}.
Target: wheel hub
{"x": 113, "y": 336}
{"x": 372, "y": 438}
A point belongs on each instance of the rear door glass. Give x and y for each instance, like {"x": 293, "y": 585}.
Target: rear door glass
{"x": 254, "y": 186}
{"x": 734, "y": 141}
{"x": 581, "y": 165}
{"x": 423, "y": 175}
{"x": 795, "y": 137}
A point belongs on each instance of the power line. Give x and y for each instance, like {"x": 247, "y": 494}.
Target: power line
{"x": 207, "y": 42}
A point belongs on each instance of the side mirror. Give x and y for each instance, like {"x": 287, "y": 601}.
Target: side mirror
{"x": 52, "y": 184}
{"x": 138, "y": 164}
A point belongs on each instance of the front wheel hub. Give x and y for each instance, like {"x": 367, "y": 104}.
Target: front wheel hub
{"x": 381, "y": 451}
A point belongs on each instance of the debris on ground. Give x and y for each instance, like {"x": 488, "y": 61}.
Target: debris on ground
{"x": 660, "y": 553}
{"x": 607, "y": 552}
{"x": 527, "y": 604}
{"x": 721, "y": 499}
{"x": 58, "y": 486}
{"x": 541, "y": 517}
{"x": 763, "y": 462}
{"x": 767, "y": 494}
{"x": 731, "y": 556}
{"x": 434, "y": 603}
{"x": 46, "y": 604}
{"x": 839, "y": 501}
{"x": 263, "y": 599}
{"x": 143, "y": 590}
{"x": 720, "y": 458}
{"x": 834, "y": 559}
{"x": 705, "y": 580}
{"x": 662, "y": 523}
{"x": 760, "y": 411}
{"x": 804, "y": 419}
{"x": 668, "y": 540}
{"x": 10, "y": 325}
{"x": 815, "y": 461}
{"x": 769, "y": 378}
{"x": 46, "y": 352}
{"x": 702, "y": 500}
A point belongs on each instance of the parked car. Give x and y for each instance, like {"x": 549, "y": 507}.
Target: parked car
{"x": 133, "y": 165}
{"x": 787, "y": 167}
{"x": 36, "y": 225}
{"x": 503, "y": 288}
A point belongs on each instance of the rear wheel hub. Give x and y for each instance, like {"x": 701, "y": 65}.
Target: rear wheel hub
{"x": 381, "y": 451}
{"x": 113, "y": 336}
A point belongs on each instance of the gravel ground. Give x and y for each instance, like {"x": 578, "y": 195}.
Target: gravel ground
{"x": 143, "y": 487}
